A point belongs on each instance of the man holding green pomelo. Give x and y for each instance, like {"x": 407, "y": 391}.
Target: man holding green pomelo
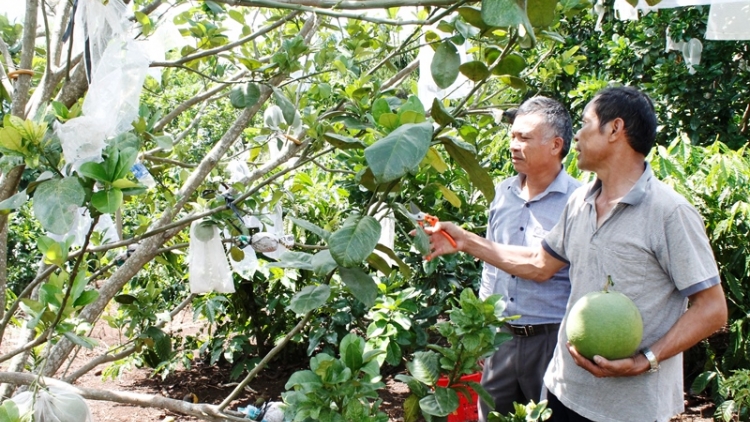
{"x": 629, "y": 225}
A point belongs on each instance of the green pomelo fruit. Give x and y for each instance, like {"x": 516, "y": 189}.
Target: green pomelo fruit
{"x": 607, "y": 324}
{"x": 204, "y": 232}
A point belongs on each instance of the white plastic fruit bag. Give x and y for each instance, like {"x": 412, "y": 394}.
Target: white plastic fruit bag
{"x": 209, "y": 268}
{"x": 53, "y": 405}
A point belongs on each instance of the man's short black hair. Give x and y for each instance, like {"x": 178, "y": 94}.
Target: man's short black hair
{"x": 555, "y": 115}
{"x": 634, "y": 108}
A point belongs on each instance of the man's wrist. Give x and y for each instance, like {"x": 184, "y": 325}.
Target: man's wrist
{"x": 653, "y": 363}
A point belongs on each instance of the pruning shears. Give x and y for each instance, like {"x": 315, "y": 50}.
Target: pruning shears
{"x": 421, "y": 217}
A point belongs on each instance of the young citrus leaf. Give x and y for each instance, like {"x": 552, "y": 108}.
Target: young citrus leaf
{"x": 379, "y": 107}
{"x": 360, "y": 284}
{"x": 475, "y": 71}
{"x": 412, "y": 104}
{"x": 465, "y": 156}
{"x": 56, "y": 203}
{"x": 312, "y": 228}
{"x": 86, "y": 342}
{"x": 88, "y": 296}
{"x": 440, "y": 114}
{"x": 388, "y": 120}
{"x": 323, "y": 262}
{"x": 410, "y": 116}
{"x": 94, "y": 171}
{"x": 124, "y": 184}
{"x": 14, "y": 202}
{"x": 290, "y": 259}
{"x": 450, "y": 196}
{"x": 310, "y": 298}
{"x": 513, "y": 82}
{"x": 444, "y": 67}
{"x": 245, "y": 95}
{"x": 425, "y": 367}
{"x": 107, "y": 201}
{"x": 442, "y": 403}
{"x": 473, "y": 17}
{"x": 504, "y": 13}
{"x": 512, "y": 64}
{"x": 344, "y": 142}
{"x": 10, "y": 140}
{"x": 287, "y": 108}
{"x": 541, "y": 13}
{"x": 399, "y": 152}
{"x": 354, "y": 241}
{"x": 351, "y": 349}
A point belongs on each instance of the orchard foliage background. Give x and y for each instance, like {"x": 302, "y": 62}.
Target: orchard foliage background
{"x": 320, "y": 100}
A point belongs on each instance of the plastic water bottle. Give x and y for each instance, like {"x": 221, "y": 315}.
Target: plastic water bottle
{"x": 251, "y": 412}
{"x": 141, "y": 173}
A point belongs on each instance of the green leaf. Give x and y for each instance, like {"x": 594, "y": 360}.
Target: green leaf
{"x": 440, "y": 114}
{"x": 290, "y": 259}
{"x": 504, "y": 13}
{"x": 444, "y": 67}
{"x": 354, "y": 241}
{"x": 86, "y": 342}
{"x": 473, "y": 17}
{"x": 14, "y": 202}
{"x": 125, "y": 160}
{"x": 162, "y": 342}
{"x": 702, "y": 381}
{"x": 425, "y": 367}
{"x": 56, "y": 203}
{"x": 388, "y": 120}
{"x": 323, "y": 262}
{"x": 360, "y": 284}
{"x": 79, "y": 284}
{"x": 126, "y": 299}
{"x": 512, "y": 64}
{"x": 442, "y": 403}
{"x": 10, "y": 140}
{"x": 422, "y": 241}
{"x": 246, "y": 95}
{"x": 310, "y": 298}
{"x": 399, "y": 152}
{"x": 481, "y": 392}
{"x": 405, "y": 269}
{"x": 450, "y": 196}
{"x": 541, "y": 13}
{"x": 475, "y": 71}
{"x": 351, "y": 349}
{"x": 94, "y": 171}
{"x": 344, "y": 142}
{"x": 411, "y": 408}
{"x": 88, "y": 296}
{"x": 411, "y": 117}
{"x": 107, "y": 201}
{"x": 412, "y": 104}
{"x": 312, "y": 228}
{"x": 465, "y": 156}
{"x": 380, "y": 107}
{"x": 287, "y": 108}
{"x": 513, "y": 82}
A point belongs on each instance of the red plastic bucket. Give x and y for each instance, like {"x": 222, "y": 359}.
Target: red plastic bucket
{"x": 467, "y": 410}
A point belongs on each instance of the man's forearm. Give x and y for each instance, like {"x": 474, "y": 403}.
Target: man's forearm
{"x": 521, "y": 261}
{"x": 707, "y": 313}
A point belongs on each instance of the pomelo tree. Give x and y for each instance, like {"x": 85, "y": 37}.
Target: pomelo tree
{"x": 332, "y": 115}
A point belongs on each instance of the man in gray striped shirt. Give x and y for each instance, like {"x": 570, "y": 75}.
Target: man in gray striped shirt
{"x": 525, "y": 208}
{"x": 629, "y": 225}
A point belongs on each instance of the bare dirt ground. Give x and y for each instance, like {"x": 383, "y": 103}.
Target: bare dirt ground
{"x": 211, "y": 384}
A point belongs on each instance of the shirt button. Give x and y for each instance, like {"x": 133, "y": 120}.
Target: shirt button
{"x": 513, "y": 277}
{"x": 521, "y": 228}
{"x": 512, "y": 300}
{"x": 526, "y": 205}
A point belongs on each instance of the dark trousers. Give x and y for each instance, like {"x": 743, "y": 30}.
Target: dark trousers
{"x": 560, "y": 413}
{"x": 515, "y": 372}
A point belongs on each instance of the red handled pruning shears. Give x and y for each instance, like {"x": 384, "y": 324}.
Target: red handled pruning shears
{"x": 422, "y": 217}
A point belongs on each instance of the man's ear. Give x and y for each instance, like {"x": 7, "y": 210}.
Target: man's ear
{"x": 557, "y": 145}
{"x": 617, "y": 126}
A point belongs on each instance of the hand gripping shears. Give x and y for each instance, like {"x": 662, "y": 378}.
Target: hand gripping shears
{"x": 421, "y": 217}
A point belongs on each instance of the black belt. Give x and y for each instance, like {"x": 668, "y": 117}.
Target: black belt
{"x": 532, "y": 330}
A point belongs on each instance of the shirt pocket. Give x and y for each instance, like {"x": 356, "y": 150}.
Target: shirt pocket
{"x": 628, "y": 271}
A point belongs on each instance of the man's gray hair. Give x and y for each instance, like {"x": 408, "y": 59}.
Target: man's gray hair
{"x": 555, "y": 115}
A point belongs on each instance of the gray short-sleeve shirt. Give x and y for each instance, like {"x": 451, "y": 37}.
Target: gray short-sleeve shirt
{"x": 654, "y": 245}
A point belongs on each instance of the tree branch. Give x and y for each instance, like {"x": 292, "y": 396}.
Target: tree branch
{"x": 201, "y": 410}
{"x": 23, "y": 82}
{"x": 159, "y": 126}
{"x": 217, "y": 50}
{"x": 339, "y": 5}
{"x": 262, "y": 364}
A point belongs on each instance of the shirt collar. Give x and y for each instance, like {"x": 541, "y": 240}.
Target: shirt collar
{"x": 559, "y": 184}
{"x": 636, "y": 193}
